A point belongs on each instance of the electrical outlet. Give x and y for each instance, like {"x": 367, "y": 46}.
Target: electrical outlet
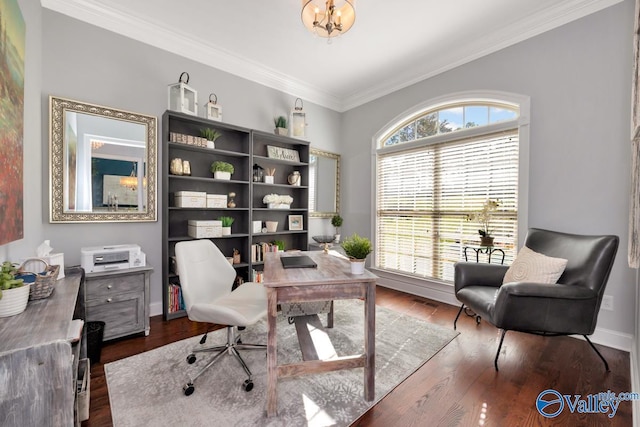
{"x": 607, "y": 303}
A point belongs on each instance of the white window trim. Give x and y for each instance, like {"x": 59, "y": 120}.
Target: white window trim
{"x": 432, "y": 288}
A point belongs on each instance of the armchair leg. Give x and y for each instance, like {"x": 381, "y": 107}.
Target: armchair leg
{"x": 606, "y": 365}
{"x": 495, "y": 362}
{"x": 456, "y": 321}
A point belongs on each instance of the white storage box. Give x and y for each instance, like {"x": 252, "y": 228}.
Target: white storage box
{"x": 202, "y": 229}
{"x": 216, "y": 200}
{"x": 190, "y": 199}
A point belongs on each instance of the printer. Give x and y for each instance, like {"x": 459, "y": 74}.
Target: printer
{"x": 115, "y": 257}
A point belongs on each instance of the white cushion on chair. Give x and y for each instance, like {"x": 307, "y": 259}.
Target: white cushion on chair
{"x": 244, "y": 306}
{"x": 531, "y": 266}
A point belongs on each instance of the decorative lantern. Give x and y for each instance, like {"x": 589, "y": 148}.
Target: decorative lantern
{"x": 214, "y": 111}
{"x": 258, "y": 173}
{"x": 182, "y": 97}
{"x": 298, "y": 123}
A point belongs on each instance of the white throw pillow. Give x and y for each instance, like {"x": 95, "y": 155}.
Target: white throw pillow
{"x": 530, "y": 266}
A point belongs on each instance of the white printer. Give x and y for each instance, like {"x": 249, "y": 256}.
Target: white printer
{"x": 115, "y": 257}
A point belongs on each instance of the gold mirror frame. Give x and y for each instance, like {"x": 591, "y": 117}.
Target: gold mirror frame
{"x": 325, "y": 214}
{"x": 57, "y": 110}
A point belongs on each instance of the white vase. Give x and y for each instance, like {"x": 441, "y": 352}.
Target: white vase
{"x": 211, "y": 144}
{"x": 357, "y": 266}
{"x": 272, "y": 226}
{"x": 226, "y": 231}
{"x": 268, "y": 179}
{"x": 14, "y": 301}
{"x": 222, "y": 175}
{"x": 336, "y": 238}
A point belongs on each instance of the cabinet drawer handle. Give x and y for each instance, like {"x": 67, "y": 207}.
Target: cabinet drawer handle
{"x": 109, "y": 286}
{"x": 108, "y": 299}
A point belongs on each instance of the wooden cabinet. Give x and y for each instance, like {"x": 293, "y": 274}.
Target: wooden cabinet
{"x": 242, "y": 148}
{"x": 120, "y": 299}
{"x": 38, "y": 365}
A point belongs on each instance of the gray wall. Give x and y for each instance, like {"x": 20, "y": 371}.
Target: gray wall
{"x": 579, "y": 79}
{"x": 86, "y": 63}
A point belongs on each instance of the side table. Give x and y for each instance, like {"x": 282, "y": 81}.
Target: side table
{"x": 488, "y": 250}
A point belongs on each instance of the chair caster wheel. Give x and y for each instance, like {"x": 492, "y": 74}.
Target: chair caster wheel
{"x": 246, "y": 386}
{"x": 478, "y": 318}
{"x": 188, "y": 389}
{"x": 191, "y": 359}
{"x": 291, "y": 320}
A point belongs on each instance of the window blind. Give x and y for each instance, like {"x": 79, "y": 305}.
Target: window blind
{"x": 425, "y": 196}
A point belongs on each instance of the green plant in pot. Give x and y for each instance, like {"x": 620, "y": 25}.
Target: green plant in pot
{"x": 357, "y": 248}
{"x": 227, "y": 221}
{"x": 211, "y": 135}
{"x": 483, "y": 218}
{"x": 336, "y": 221}
{"x": 14, "y": 295}
{"x": 281, "y": 125}
{"x": 222, "y": 170}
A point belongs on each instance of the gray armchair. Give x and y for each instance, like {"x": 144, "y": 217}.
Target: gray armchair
{"x": 568, "y": 307}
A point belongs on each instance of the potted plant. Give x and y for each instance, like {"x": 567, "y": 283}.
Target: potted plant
{"x": 211, "y": 135}
{"x": 336, "y": 221}
{"x": 226, "y": 225}
{"x": 222, "y": 170}
{"x": 357, "y": 248}
{"x": 281, "y": 125}
{"x": 483, "y": 217}
{"x": 14, "y": 293}
{"x": 277, "y": 201}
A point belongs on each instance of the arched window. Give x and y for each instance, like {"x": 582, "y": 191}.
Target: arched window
{"x": 435, "y": 168}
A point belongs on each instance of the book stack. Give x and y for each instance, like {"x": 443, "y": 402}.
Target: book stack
{"x": 259, "y": 249}
{"x": 257, "y": 276}
{"x": 175, "y": 298}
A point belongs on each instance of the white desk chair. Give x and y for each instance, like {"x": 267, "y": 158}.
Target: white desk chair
{"x": 206, "y": 278}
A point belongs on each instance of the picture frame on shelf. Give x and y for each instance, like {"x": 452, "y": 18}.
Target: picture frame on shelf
{"x": 281, "y": 153}
{"x": 295, "y": 223}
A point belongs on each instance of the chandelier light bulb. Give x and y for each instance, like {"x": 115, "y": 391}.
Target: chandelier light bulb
{"x": 332, "y": 21}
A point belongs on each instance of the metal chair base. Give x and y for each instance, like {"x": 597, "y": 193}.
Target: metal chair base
{"x": 231, "y": 347}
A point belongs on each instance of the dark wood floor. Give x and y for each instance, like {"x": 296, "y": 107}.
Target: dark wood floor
{"x": 458, "y": 386}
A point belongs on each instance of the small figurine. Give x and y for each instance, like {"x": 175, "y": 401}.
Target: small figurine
{"x": 236, "y": 256}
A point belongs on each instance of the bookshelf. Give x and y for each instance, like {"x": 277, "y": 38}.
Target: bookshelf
{"x": 242, "y": 148}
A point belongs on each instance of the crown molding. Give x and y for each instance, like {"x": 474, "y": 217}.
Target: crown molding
{"x": 173, "y": 41}
{"x": 553, "y": 17}
{"x": 179, "y": 43}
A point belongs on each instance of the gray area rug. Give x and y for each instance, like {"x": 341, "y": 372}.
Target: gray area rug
{"x": 146, "y": 389}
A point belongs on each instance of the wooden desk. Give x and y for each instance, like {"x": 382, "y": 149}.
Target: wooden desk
{"x": 330, "y": 281}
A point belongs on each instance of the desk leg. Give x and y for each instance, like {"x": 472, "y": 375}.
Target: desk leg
{"x": 272, "y": 351}
{"x": 370, "y": 342}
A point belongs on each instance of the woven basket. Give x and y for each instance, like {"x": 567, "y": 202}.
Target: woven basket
{"x": 44, "y": 277}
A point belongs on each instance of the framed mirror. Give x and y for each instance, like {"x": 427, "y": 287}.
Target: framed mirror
{"x": 324, "y": 184}
{"x": 102, "y": 163}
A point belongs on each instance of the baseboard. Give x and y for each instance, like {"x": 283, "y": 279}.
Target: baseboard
{"x": 443, "y": 292}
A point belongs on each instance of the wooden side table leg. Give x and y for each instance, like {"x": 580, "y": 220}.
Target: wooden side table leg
{"x": 330, "y": 317}
{"x": 370, "y": 342}
{"x": 272, "y": 351}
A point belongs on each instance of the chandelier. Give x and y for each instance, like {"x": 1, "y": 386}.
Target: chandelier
{"x": 337, "y": 17}
{"x": 131, "y": 181}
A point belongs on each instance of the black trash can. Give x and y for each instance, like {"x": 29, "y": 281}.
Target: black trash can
{"x": 95, "y": 332}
